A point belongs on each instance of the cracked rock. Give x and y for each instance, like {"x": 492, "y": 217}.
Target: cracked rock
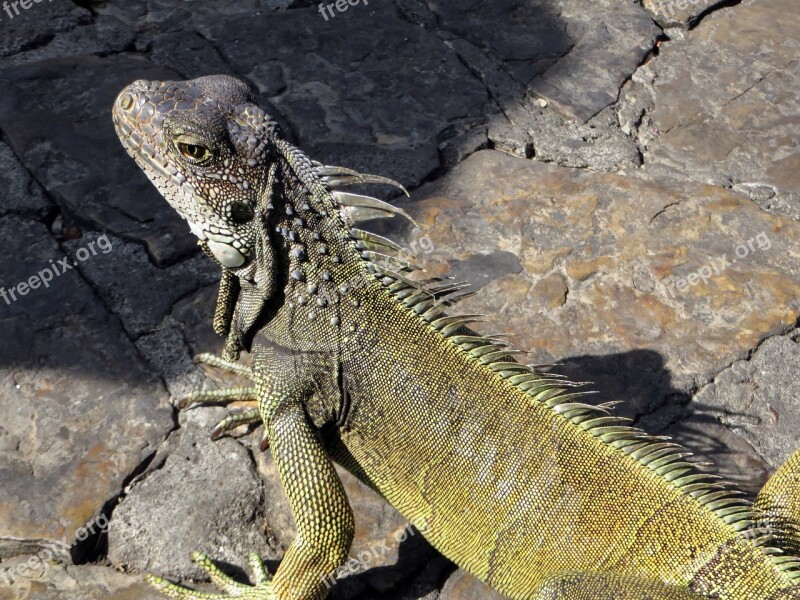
{"x": 726, "y": 104}
{"x": 20, "y": 194}
{"x": 140, "y": 294}
{"x": 206, "y": 497}
{"x": 679, "y": 13}
{"x": 356, "y": 89}
{"x": 757, "y": 398}
{"x": 81, "y": 412}
{"x": 57, "y": 116}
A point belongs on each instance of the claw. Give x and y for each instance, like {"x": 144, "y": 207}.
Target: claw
{"x": 212, "y": 360}
{"x": 224, "y": 396}
{"x": 234, "y": 420}
{"x": 262, "y": 590}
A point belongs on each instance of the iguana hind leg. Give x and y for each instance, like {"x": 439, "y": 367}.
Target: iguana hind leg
{"x": 607, "y": 586}
{"x": 779, "y": 500}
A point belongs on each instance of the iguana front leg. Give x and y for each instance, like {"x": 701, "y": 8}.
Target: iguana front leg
{"x": 322, "y": 514}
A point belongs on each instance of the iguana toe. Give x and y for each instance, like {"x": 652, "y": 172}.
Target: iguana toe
{"x": 262, "y": 590}
{"x": 250, "y": 416}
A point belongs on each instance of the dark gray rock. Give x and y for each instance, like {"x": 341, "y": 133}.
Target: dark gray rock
{"x": 57, "y": 117}
{"x": 39, "y": 24}
{"x": 20, "y": 194}
{"x": 757, "y": 398}
{"x": 207, "y": 496}
{"x": 599, "y": 144}
{"x": 347, "y": 79}
{"x": 732, "y": 457}
{"x": 574, "y": 54}
{"x": 188, "y": 54}
{"x": 103, "y": 35}
{"x": 80, "y": 411}
{"x": 167, "y": 353}
{"x": 138, "y": 292}
{"x": 725, "y": 104}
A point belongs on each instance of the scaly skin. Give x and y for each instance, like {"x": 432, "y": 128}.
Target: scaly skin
{"x": 505, "y": 469}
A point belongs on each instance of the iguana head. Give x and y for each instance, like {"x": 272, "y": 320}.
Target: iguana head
{"x": 204, "y": 144}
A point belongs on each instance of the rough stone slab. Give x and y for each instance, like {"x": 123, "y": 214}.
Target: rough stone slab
{"x": 102, "y": 36}
{"x": 602, "y": 256}
{"x": 20, "y": 194}
{"x": 733, "y": 457}
{"x": 139, "y": 293}
{"x": 80, "y": 411}
{"x": 574, "y": 54}
{"x": 57, "y": 116}
{"x": 38, "y": 24}
{"x": 757, "y": 398}
{"x": 86, "y": 582}
{"x": 182, "y": 335}
{"x": 207, "y": 496}
{"x": 678, "y": 13}
{"x": 726, "y": 104}
{"x": 347, "y": 80}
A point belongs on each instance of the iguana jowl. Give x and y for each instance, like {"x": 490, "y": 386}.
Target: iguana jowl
{"x": 515, "y": 479}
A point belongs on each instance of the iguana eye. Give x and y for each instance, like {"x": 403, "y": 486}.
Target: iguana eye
{"x": 195, "y": 153}
{"x": 241, "y": 212}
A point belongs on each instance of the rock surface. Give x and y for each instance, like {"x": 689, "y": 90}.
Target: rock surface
{"x": 724, "y": 104}
{"x": 81, "y": 412}
{"x": 648, "y": 290}
{"x": 757, "y": 398}
{"x": 159, "y": 524}
{"x": 645, "y": 160}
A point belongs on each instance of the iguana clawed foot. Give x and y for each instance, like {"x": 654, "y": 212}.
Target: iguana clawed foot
{"x": 248, "y": 394}
{"x": 262, "y": 590}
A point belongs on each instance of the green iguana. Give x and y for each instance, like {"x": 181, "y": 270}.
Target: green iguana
{"x": 512, "y": 475}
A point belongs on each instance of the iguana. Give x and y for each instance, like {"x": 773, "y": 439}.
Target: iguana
{"x": 507, "y": 469}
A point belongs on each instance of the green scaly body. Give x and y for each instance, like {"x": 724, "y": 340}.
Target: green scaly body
{"x": 505, "y": 470}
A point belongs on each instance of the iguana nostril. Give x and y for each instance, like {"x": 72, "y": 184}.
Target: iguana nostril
{"x": 126, "y": 101}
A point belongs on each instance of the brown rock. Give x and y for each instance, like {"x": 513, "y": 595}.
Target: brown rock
{"x": 635, "y": 285}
